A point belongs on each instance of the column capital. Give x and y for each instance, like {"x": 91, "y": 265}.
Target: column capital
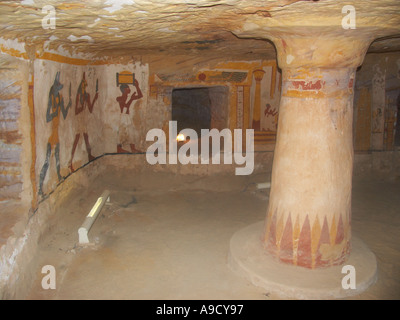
{"x": 323, "y": 51}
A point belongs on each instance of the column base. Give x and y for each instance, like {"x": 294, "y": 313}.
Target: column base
{"x": 248, "y": 258}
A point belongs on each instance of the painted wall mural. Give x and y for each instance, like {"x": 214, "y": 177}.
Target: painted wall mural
{"x": 55, "y": 108}
{"x": 81, "y": 113}
{"x": 256, "y": 114}
{"x": 391, "y": 114}
{"x": 112, "y": 113}
{"x": 271, "y": 113}
{"x": 264, "y": 102}
{"x": 124, "y": 80}
{"x": 68, "y": 120}
{"x": 253, "y": 93}
{"x": 82, "y": 102}
{"x": 375, "y": 112}
{"x": 126, "y": 117}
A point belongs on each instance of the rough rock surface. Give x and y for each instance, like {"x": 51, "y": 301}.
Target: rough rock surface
{"x": 223, "y": 28}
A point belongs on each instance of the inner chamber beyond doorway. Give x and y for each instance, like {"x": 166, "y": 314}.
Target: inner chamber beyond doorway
{"x": 200, "y": 108}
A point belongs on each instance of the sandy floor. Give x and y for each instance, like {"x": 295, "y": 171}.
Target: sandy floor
{"x": 166, "y": 237}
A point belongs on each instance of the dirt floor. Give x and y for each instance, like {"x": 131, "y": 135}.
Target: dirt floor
{"x": 167, "y": 237}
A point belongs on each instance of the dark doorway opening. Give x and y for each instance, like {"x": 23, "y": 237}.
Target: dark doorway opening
{"x": 200, "y": 108}
{"x": 191, "y": 108}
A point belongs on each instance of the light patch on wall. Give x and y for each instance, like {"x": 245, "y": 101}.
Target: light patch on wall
{"x": 27, "y": 2}
{"x": 73, "y": 38}
{"x": 289, "y": 59}
{"x": 7, "y": 262}
{"x": 249, "y": 26}
{"x": 48, "y": 42}
{"x": 94, "y": 23}
{"x": 115, "y": 5}
{"x": 13, "y": 44}
{"x": 167, "y": 30}
{"x": 61, "y": 51}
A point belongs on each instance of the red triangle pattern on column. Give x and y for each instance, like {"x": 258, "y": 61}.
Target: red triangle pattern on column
{"x": 284, "y": 248}
{"x": 304, "y": 258}
{"x": 324, "y": 239}
{"x": 340, "y": 231}
{"x": 286, "y": 244}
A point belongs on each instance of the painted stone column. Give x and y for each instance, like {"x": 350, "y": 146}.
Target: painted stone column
{"x": 309, "y": 214}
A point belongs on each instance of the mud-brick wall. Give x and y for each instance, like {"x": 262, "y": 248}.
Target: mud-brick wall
{"x": 13, "y": 88}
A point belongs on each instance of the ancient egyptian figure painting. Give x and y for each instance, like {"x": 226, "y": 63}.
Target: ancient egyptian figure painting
{"x": 83, "y": 102}
{"x": 124, "y": 80}
{"x": 264, "y": 104}
{"x": 55, "y": 109}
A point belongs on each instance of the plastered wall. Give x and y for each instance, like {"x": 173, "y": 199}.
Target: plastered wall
{"x": 376, "y": 103}
{"x": 78, "y": 117}
{"x": 78, "y": 111}
{"x": 14, "y": 131}
{"x": 82, "y": 111}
